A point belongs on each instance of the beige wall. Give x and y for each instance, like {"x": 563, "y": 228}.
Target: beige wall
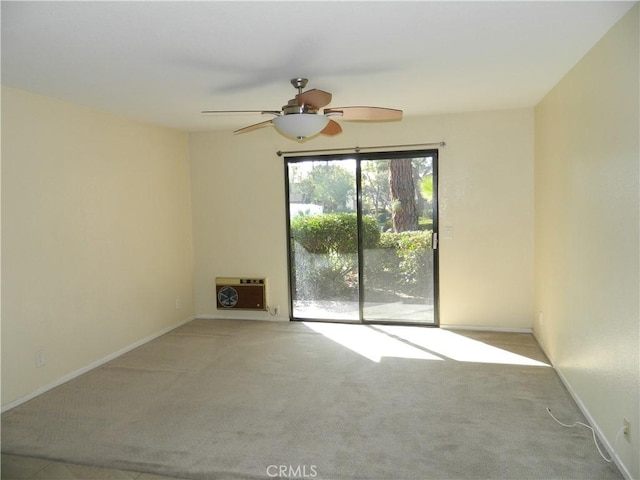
{"x": 96, "y": 237}
{"x": 587, "y": 233}
{"x": 486, "y": 195}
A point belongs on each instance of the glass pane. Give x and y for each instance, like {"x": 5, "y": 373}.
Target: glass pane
{"x": 324, "y": 239}
{"x": 398, "y": 214}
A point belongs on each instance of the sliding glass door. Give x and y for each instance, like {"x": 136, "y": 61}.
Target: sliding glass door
{"x": 323, "y": 236}
{"x": 362, "y": 231}
{"x": 398, "y": 278}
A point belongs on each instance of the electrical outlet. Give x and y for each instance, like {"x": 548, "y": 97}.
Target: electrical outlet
{"x": 627, "y": 429}
{"x": 178, "y": 304}
{"x": 40, "y": 359}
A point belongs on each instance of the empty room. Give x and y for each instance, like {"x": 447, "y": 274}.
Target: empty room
{"x": 331, "y": 240}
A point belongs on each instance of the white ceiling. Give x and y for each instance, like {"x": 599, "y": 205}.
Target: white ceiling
{"x": 164, "y": 62}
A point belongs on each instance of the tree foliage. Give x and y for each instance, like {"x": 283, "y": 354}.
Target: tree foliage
{"x": 331, "y": 186}
{"x": 375, "y": 187}
{"x": 426, "y": 187}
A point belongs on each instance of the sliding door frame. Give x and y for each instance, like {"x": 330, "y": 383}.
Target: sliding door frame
{"x": 359, "y": 158}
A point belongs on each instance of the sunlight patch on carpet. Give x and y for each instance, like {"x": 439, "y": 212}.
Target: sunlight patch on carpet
{"x": 420, "y": 343}
{"x": 370, "y": 343}
{"x": 459, "y": 347}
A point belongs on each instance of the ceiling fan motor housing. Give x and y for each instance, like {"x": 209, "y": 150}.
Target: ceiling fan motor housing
{"x": 293, "y": 107}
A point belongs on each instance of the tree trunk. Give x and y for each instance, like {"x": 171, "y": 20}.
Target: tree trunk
{"x": 403, "y": 195}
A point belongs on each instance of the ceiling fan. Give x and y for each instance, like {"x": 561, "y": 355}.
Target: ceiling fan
{"x": 299, "y": 118}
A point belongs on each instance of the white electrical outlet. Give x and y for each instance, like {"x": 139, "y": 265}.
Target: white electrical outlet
{"x": 40, "y": 359}
{"x": 178, "y": 304}
{"x": 627, "y": 429}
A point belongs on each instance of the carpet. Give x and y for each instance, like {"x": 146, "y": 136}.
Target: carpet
{"x": 225, "y": 399}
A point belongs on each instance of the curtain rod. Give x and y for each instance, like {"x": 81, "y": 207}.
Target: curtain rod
{"x": 358, "y": 149}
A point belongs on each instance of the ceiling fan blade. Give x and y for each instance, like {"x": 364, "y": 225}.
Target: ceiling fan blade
{"x": 332, "y": 128}
{"x": 365, "y": 113}
{"x": 267, "y": 112}
{"x": 255, "y": 126}
{"x": 314, "y": 98}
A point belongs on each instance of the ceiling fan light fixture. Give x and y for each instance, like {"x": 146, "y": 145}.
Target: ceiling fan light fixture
{"x": 300, "y": 125}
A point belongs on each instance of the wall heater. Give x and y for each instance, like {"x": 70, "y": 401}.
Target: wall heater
{"x": 235, "y": 293}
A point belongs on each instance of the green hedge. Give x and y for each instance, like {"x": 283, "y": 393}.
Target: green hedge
{"x": 412, "y": 249}
{"x": 400, "y": 261}
{"x": 334, "y": 232}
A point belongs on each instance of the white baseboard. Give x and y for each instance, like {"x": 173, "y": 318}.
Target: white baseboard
{"x": 91, "y": 366}
{"x": 486, "y": 329}
{"x": 208, "y": 316}
{"x": 583, "y": 409}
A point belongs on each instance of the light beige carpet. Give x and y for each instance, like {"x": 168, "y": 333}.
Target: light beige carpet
{"x": 256, "y": 400}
